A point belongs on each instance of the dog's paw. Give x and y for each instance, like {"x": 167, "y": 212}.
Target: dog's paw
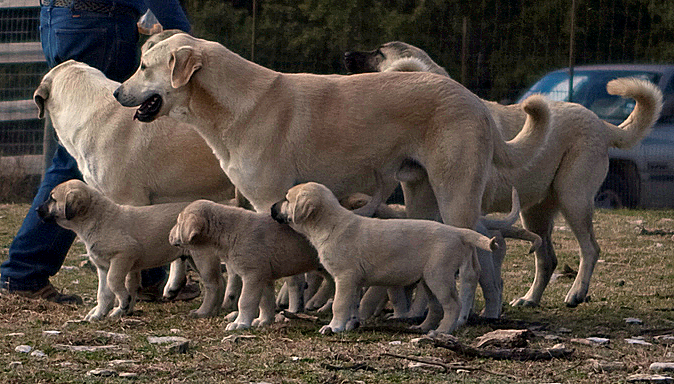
{"x": 326, "y": 330}
{"x": 352, "y": 324}
{"x": 522, "y": 302}
{"x": 327, "y": 307}
{"x": 199, "y": 314}
{"x": 117, "y": 312}
{"x": 94, "y": 315}
{"x": 236, "y": 326}
{"x": 259, "y": 322}
{"x": 231, "y": 316}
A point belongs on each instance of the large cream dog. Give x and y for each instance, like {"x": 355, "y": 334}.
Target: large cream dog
{"x": 256, "y": 247}
{"x": 130, "y": 162}
{"x": 359, "y": 251}
{"x": 272, "y": 130}
{"x": 121, "y": 240}
{"x": 565, "y": 179}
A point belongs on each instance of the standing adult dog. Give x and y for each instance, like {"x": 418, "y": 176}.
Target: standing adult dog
{"x": 359, "y": 251}
{"x": 567, "y": 176}
{"x": 272, "y": 130}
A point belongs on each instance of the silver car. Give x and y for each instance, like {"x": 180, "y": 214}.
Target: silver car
{"x": 644, "y": 175}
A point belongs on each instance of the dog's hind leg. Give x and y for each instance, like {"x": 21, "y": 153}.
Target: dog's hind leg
{"x": 266, "y": 306}
{"x": 119, "y": 268}
{"x": 214, "y": 285}
{"x": 539, "y": 219}
{"x": 133, "y": 285}
{"x": 232, "y": 291}
{"x": 176, "y": 280}
{"x": 296, "y": 285}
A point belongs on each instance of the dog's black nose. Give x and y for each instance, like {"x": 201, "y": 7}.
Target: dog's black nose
{"x": 276, "y": 213}
{"x": 43, "y": 211}
{"x": 116, "y": 93}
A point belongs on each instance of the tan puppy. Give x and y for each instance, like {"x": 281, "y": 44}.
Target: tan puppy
{"x": 567, "y": 176}
{"x": 121, "y": 240}
{"x": 271, "y": 130}
{"x": 256, "y": 247}
{"x": 359, "y": 251}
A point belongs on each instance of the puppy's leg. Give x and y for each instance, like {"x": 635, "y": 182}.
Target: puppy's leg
{"x": 490, "y": 277}
{"x": 322, "y": 300}
{"x": 439, "y": 278}
{"x": 296, "y": 285}
{"x": 105, "y": 298}
{"x": 208, "y": 266}
{"x": 345, "y": 306}
{"x": 266, "y": 306}
{"x": 469, "y": 274}
{"x": 373, "y": 302}
{"x": 119, "y": 268}
{"x": 314, "y": 281}
{"x": 251, "y": 293}
{"x": 435, "y": 310}
{"x": 233, "y": 290}
{"x": 176, "y": 280}
{"x": 132, "y": 285}
{"x": 282, "y": 297}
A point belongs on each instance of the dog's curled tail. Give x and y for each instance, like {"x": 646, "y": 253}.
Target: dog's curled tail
{"x": 646, "y": 112}
{"x": 478, "y": 240}
{"x": 529, "y": 141}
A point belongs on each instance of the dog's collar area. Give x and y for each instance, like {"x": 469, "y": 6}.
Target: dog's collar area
{"x": 149, "y": 109}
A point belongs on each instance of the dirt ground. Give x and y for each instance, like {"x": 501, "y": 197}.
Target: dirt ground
{"x": 634, "y": 279}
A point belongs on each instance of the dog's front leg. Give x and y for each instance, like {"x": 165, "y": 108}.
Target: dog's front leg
{"x": 104, "y": 297}
{"x": 267, "y": 306}
{"x": 119, "y": 268}
{"x": 469, "y": 274}
{"x": 132, "y": 286}
{"x": 345, "y": 306}
{"x": 233, "y": 290}
{"x": 176, "y": 280}
{"x": 251, "y": 293}
{"x": 296, "y": 285}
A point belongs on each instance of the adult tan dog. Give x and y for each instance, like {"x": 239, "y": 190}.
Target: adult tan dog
{"x": 256, "y": 247}
{"x": 565, "y": 179}
{"x": 121, "y": 240}
{"x": 272, "y": 130}
{"x": 359, "y": 251}
{"x": 128, "y": 161}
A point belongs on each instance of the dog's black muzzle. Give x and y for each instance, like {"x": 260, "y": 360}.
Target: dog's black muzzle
{"x": 276, "y": 213}
{"x": 358, "y": 62}
{"x": 43, "y": 211}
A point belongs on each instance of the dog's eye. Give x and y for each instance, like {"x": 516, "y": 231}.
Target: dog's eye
{"x": 142, "y": 66}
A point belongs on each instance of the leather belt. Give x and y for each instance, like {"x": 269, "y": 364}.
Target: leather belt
{"x": 93, "y": 6}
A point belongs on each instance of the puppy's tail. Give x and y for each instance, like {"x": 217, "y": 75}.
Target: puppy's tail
{"x": 529, "y": 141}
{"x": 475, "y": 239}
{"x": 646, "y": 111}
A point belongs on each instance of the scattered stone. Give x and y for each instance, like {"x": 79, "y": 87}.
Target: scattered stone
{"x": 23, "y": 348}
{"x": 552, "y": 337}
{"x": 637, "y": 340}
{"x": 563, "y": 330}
{"x": 175, "y": 330}
{"x": 51, "y": 333}
{"x": 129, "y": 322}
{"x": 117, "y": 337}
{"x": 422, "y": 341}
{"x": 69, "y": 268}
{"x": 607, "y": 366}
{"x": 395, "y": 342}
{"x": 662, "y": 367}
{"x": 641, "y": 378}
{"x": 295, "y": 358}
{"x": 165, "y": 339}
{"x": 179, "y": 347}
{"x": 102, "y": 373}
{"x": 84, "y": 348}
{"x": 38, "y": 353}
{"x": 15, "y": 334}
{"x": 593, "y": 341}
{"x": 664, "y": 339}
{"x": 633, "y": 320}
{"x": 73, "y": 323}
{"x": 505, "y": 338}
{"x": 15, "y": 365}
{"x": 128, "y": 375}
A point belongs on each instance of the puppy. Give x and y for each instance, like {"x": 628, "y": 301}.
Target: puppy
{"x": 359, "y": 251}
{"x": 253, "y": 245}
{"x": 121, "y": 240}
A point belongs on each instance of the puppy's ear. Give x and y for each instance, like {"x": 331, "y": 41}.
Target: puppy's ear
{"x": 77, "y": 202}
{"x": 183, "y": 63}
{"x": 304, "y": 208}
{"x": 41, "y": 94}
{"x": 193, "y": 228}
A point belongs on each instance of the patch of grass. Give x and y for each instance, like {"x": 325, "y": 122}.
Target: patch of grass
{"x": 634, "y": 278}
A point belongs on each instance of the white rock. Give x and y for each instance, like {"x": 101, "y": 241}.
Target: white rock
{"x": 128, "y": 375}
{"x": 633, "y": 320}
{"x": 23, "y": 348}
{"x": 637, "y": 340}
{"x": 51, "y": 333}
{"x": 38, "y": 353}
{"x": 395, "y": 342}
{"x": 640, "y": 378}
{"x": 15, "y": 334}
{"x": 102, "y": 372}
{"x": 166, "y": 339}
{"x": 662, "y": 367}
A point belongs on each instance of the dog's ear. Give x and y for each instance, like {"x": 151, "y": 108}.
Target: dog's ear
{"x": 194, "y": 227}
{"x": 41, "y": 94}
{"x": 183, "y": 63}
{"x": 77, "y": 202}
{"x": 304, "y": 208}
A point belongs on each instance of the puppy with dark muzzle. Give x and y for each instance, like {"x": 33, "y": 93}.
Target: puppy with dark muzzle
{"x": 121, "y": 240}
{"x": 359, "y": 251}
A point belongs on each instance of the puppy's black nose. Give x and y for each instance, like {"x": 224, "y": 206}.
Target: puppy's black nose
{"x": 276, "y": 213}
{"x": 116, "y": 93}
{"x": 43, "y": 211}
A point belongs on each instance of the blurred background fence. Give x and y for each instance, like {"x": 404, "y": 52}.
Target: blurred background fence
{"x": 496, "y": 48}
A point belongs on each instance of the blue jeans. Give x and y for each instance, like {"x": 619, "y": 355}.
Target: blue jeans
{"x": 108, "y": 43}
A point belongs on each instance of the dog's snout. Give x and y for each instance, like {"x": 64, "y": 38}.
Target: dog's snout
{"x": 276, "y": 213}
{"x": 43, "y": 211}
{"x": 116, "y": 93}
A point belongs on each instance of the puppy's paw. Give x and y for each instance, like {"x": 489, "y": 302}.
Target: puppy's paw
{"x": 117, "y": 312}
{"x": 94, "y": 315}
{"x": 326, "y": 330}
{"x": 259, "y": 322}
{"x": 352, "y": 324}
{"x": 236, "y": 326}
{"x": 522, "y": 302}
{"x": 199, "y": 314}
{"x": 231, "y": 316}
{"x": 327, "y": 307}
